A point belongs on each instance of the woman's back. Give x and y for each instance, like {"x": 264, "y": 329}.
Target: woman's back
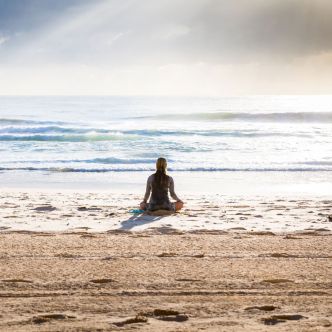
{"x": 159, "y": 185}
{"x": 159, "y": 188}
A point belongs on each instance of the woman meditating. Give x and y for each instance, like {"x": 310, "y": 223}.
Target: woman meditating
{"x": 158, "y": 185}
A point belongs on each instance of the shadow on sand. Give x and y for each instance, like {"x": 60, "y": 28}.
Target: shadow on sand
{"x": 138, "y": 220}
{"x": 143, "y": 219}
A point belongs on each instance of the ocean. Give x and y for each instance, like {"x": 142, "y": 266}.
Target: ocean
{"x": 81, "y": 139}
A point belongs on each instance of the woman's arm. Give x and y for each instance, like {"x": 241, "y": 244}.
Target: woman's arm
{"x": 147, "y": 190}
{"x": 171, "y": 190}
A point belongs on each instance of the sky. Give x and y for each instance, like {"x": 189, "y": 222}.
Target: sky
{"x": 165, "y": 47}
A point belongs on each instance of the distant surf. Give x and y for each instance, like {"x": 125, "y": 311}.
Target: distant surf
{"x": 57, "y": 134}
{"x": 252, "y": 116}
{"x": 112, "y": 134}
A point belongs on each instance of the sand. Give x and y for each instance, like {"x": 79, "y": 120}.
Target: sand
{"x": 82, "y": 262}
{"x": 100, "y": 212}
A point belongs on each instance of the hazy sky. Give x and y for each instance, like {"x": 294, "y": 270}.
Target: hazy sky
{"x": 165, "y": 47}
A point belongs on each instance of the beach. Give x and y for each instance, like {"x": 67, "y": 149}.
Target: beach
{"x": 219, "y": 112}
{"x": 82, "y": 261}
{"x": 250, "y": 250}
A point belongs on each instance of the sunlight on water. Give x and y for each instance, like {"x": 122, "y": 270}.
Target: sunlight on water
{"x": 118, "y": 134}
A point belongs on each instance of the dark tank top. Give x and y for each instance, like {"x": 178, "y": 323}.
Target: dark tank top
{"x": 159, "y": 192}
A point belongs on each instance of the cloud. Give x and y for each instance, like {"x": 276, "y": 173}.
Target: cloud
{"x": 170, "y": 45}
{"x": 3, "y": 39}
{"x": 163, "y": 31}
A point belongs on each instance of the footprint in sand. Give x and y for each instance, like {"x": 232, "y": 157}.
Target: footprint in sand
{"x": 92, "y": 208}
{"x": 2, "y": 228}
{"x": 135, "y": 320}
{"x": 45, "y": 208}
{"x": 198, "y": 256}
{"x": 291, "y": 237}
{"x": 102, "y": 281}
{"x": 48, "y": 317}
{"x": 237, "y": 229}
{"x": 262, "y": 308}
{"x": 275, "y": 319}
{"x": 166, "y": 315}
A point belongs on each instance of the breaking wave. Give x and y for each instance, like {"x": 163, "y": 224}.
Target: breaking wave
{"x": 69, "y": 134}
